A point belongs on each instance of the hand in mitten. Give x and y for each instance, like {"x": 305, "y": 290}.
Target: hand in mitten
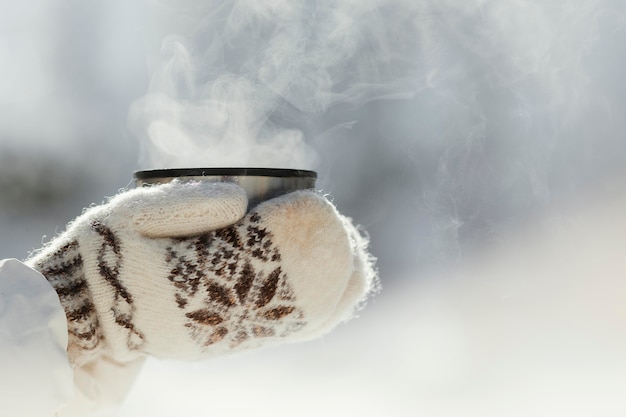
{"x": 181, "y": 271}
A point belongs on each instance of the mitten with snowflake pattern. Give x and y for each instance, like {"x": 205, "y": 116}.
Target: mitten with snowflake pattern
{"x": 180, "y": 270}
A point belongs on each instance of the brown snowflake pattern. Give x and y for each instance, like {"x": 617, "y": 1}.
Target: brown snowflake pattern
{"x": 231, "y": 287}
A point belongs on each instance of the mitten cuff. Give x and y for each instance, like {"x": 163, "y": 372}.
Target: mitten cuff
{"x": 62, "y": 265}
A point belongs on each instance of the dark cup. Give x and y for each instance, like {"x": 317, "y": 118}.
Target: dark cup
{"x": 260, "y": 184}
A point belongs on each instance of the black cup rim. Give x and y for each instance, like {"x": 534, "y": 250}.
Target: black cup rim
{"x": 223, "y": 172}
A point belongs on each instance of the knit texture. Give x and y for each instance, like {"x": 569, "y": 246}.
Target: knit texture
{"x": 180, "y": 271}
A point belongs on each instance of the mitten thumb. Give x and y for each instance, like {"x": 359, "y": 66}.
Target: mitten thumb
{"x": 179, "y": 209}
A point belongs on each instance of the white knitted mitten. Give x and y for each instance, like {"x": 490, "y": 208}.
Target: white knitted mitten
{"x": 181, "y": 271}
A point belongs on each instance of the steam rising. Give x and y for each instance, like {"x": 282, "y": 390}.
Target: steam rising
{"x": 238, "y": 89}
{"x": 498, "y": 86}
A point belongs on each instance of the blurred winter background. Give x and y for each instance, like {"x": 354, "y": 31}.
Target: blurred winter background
{"x": 490, "y": 178}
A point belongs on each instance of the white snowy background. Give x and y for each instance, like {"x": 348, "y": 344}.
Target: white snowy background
{"x": 494, "y": 197}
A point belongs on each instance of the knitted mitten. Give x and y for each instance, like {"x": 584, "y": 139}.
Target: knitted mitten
{"x": 181, "y": 271}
